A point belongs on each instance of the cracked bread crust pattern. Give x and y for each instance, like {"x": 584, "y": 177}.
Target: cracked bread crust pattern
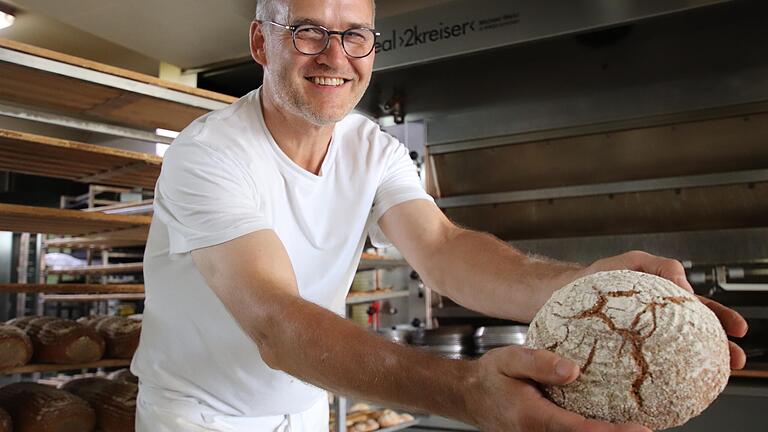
{"x": 650, "y": 352}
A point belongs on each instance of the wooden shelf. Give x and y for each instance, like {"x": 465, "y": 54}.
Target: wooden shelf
{"x": 64, "y": 298}
{"x": 121, "y": 238}
{"x": 74, "y": 288}
{"x": 373, "y": 264}
{"x": 136, "y": 207}
{"x": 357, "y": 298}
{"x": 33, "y": 368}
{"x": 136, "y": 267}
{"x": 19, "y": 218}
{"x": 61, "y": 83}
{"x": 87, "y": 163}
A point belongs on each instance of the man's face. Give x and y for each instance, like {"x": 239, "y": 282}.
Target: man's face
{"x": 309, "y": 86}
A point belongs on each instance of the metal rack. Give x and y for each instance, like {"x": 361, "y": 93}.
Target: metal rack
{"x": 47, "y": 87}
{"x": 340, "y": 403}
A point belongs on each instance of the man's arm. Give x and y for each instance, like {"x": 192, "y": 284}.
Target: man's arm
{"x": 252, "y": 276}
{"x": 484, "y": 274}
{"x": 475, "y": 269}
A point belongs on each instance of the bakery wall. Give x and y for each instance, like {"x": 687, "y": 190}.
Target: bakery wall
{"x": 702, "y": 58}
{"x": 661, "y": 73}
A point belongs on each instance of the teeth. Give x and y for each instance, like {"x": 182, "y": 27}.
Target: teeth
{"x": 327, "y": 81}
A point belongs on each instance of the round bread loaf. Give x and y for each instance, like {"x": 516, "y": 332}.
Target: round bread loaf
{"x": 15, "y": 347}
{"x": 61, "y": 341}
{"x": 120, "y": 333}
{"x": 650, "y": 352}
{"x": 39, "y": 408}
{"x": 113, "y": 401}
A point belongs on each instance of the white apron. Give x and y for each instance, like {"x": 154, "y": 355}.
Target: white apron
{"x": 161, "y": 411}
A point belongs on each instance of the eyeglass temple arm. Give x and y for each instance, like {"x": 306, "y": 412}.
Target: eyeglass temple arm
{"x": 287, "y": 27}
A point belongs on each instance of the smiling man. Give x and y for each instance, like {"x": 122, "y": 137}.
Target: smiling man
{"x": 261, "y": 213}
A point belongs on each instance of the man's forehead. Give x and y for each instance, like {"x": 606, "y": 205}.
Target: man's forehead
{"x": 326, "y": 12}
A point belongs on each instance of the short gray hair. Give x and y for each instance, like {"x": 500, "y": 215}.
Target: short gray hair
{"x": 267, "y": 10}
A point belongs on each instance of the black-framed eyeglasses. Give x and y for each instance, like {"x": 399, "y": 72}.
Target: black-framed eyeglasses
{"x": 310, "y": 39}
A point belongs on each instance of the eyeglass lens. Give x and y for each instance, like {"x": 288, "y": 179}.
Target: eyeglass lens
{"x": 311, "y": 40}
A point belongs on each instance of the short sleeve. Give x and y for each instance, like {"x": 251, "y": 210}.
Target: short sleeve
{"x": 206, "y": 199}
{"x": 400, "y": 183}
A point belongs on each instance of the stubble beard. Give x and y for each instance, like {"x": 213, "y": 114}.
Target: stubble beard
{"x": 291, "y": 98}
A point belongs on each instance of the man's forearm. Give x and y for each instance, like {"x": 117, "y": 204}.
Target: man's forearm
{"x": 317, "y": 346}
{"x": 484, "y": 274}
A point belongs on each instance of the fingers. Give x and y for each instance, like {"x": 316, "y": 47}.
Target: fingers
{"x": 733, "y": 323}
{"x": 539, "y": 365}
{"x": 667, "y": 268}
{"x": 738, "y": 356}
{"x": 546, "y": 416}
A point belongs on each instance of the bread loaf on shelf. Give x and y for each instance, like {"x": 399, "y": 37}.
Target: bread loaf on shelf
{"x": 389, "y": 418}
{"x": 113, "y": 401}
{"x": 6, "y": 425}
{"x": 123, "y": 375}
{"x": 37, "y": 408}
{"x": 120, "y": 333}
{"x": 61, "y": 341}
{"x": 369, "y": 425}
{"x": 15, "y": 347}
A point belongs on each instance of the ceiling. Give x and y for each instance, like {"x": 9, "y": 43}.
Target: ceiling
{"x": 186, "y": 33}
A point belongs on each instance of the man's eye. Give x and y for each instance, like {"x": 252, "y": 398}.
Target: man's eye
{"x": 310, "y": 33}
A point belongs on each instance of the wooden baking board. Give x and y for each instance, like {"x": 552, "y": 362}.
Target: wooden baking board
{"x": 51, "y": 157}
{"x": 28, "y": 86}
{"x": 19, "y": 218}
{"x": 73, "y": 288}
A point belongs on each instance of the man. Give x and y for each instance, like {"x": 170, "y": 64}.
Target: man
{"x": 261, "y": 213}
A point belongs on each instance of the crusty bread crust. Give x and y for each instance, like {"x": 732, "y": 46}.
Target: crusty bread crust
{"x": 38, "y": 408}
{"x": 120, "y": 333}
{"x": 61, "y": 341}
{"x": 650, "y": 352}
{"x": 15, "y": 347}
{"x": 113, "y": 401}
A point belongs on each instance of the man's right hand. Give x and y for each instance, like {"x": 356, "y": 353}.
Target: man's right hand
{"x": 504, "y": 398}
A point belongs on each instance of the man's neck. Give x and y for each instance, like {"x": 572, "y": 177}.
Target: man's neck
{"x": 305, "y": 143}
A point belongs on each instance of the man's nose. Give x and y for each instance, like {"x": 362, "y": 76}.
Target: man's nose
{"x": 334, "y": 54}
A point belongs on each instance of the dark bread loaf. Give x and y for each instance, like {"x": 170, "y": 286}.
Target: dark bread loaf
{"x": 15, "y": 347}
{"x": 6, "y": 425}
{"x": 38, "y": 408}
{"x": 113, "y": 401}
{"x": 61, "y": 341}
{"x": 123, "y": 375}
{"x": 120, "y": 333}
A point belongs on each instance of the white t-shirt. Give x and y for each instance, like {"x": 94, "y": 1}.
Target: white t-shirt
{"x": 224, "y": 177}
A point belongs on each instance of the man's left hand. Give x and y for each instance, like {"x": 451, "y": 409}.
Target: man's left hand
{"x": 733, "y": 323}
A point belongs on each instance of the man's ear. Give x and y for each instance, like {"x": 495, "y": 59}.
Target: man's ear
{"x": 257, "y": 43}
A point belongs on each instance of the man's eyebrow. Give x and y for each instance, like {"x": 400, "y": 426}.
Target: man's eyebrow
{"x": 305, "y": 20}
